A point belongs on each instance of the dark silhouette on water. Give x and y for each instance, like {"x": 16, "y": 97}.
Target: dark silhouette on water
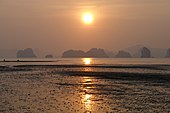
{"x": 26, "y": 53}
{"x": 94, "y": 53}
{"x": 168, "y": 53}
{"x": 123, "y": 54}
{"x": 73, "y": 54}
{"x": 145, "y": 53}
{"x": 155, "y": 52}
{"x": 49, "y": 56}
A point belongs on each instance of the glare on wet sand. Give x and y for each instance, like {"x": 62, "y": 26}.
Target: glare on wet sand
{"x": 83, "y": 89}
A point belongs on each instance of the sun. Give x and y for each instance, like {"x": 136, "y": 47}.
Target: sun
{"x": 87, "y": 18}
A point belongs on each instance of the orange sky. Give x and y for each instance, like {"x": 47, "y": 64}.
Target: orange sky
{"x": 56, "y": 25}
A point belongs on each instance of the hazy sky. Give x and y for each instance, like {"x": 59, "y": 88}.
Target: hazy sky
{"x": 55, "y": 25}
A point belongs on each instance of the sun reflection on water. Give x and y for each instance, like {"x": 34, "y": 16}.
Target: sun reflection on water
{"x": 87, "y": 80}
{"x": 86, "y": 97}
{"x": 87, "y": 102}
{"x": 87, "y": 61}
{"x": 87, "y": 69}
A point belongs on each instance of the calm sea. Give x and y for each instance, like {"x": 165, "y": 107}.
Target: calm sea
{"x": 89, "y": 85}
{"x": 94, "y": 61}
{"x": 128, "y": 65}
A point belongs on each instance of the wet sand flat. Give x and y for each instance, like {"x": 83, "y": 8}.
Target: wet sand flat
{"x": 43, "y": 89}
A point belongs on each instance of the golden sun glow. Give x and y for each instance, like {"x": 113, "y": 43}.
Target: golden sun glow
{"x": 88, "y": 18}
{"x": 87, "y": 98}
{"x": 87, "y": 61}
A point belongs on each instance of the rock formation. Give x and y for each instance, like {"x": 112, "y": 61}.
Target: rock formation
{"x": 73, "y": 54}
{"x": 49, "y": 56}
{"x": 94, "y": 53}
{"x": 26, "y": 53}
{"x": 168, "y": 53}
{"x": 145, "y": 53}
{"x": 123, "y": 54}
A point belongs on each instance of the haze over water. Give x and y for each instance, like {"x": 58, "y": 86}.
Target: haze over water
{"x": 54, "y": 26}
{"x": 85, "y": 85}
{"x": 127, "y": 42}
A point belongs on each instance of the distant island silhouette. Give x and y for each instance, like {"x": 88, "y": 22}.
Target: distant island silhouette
{"x": 138, "y": 51}
{"x": 26, "y": 53}
{"x": 145, "y": 53}
{"x": 94, "y": 52}
{"x": 123, "y": 54}
{"x": 49, "y": 56}
{"x": 168, "y": 53}
{"x": 141, "y": 52}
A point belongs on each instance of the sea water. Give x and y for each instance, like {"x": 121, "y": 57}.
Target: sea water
{"x": 84, "y": 85}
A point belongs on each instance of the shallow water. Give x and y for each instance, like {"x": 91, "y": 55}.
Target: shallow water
{"x": 76, "y": 88}
{"x": 95, "y": 61}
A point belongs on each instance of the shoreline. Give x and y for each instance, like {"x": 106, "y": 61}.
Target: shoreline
{"x": 102, "y": 72}
{"x": 26, "y": 61}
{"x": 81, "y": 88}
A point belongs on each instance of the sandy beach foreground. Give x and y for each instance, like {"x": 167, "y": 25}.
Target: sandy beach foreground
{"x": 84, "y": 89}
